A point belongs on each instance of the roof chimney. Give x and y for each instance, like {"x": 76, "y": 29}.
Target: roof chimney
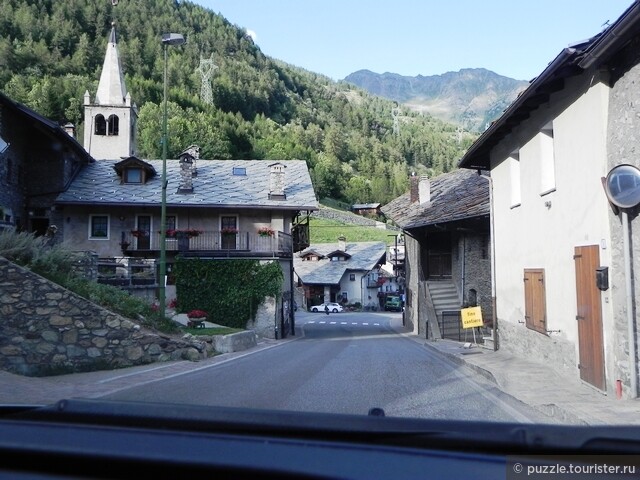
{"x": 276, "y": 182}
{"x": 342, "y": 243}
{"x": 424, "y": 190}
{"x": 186, "y": 173}
{"x": 70, "y": 128}
{"x": 194, "y": 152}
{"x": 414, "y": 194}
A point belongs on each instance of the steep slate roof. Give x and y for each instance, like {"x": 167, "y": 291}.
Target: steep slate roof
{"x": 571, "y": 61}
{"x": 456, "y": 195}
{"x": 364, "y": 256}
{"x": 214, "y": 186}
{"x": 46, "y": 125}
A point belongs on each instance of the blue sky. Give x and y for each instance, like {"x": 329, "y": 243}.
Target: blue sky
{"x": 514, "y": 38}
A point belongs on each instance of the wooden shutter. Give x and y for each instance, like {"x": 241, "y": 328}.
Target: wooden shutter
{"x": 534, "y": 299}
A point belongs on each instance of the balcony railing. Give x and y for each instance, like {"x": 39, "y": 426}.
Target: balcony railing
{"x": 126, "y": 272}
{"x": 279, "y": 243}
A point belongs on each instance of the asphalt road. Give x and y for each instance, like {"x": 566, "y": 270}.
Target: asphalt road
{"x": 344, "y": 363}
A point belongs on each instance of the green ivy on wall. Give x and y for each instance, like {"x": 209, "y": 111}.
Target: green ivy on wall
{"x": 230, "y": 291}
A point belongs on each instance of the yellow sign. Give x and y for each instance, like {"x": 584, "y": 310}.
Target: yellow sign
{"x": 471, "y": 317}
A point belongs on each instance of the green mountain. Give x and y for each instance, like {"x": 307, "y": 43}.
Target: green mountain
{"x": 51, "y": 52}
{"x": 472, "y": 97}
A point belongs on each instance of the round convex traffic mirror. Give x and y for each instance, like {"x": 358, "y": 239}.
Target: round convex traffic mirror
{"x": 623, "y": 186}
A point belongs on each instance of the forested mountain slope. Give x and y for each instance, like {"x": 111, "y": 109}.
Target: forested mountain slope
{"x": 51, "y": 51}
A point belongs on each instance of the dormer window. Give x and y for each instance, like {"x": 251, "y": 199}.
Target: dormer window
{"x": 133, "y": 175}
{"x": 134, "y": 171}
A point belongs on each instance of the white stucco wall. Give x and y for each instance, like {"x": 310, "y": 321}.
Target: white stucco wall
{"x": 357, "y": 289}
{"x": 111, "y": 147}
{"x": 544, "y": 229}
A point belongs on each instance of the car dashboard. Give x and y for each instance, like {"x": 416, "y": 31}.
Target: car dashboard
{"x": 102, "y": 439}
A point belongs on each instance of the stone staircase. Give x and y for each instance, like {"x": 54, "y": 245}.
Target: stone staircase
{"x": 444, "y": 296}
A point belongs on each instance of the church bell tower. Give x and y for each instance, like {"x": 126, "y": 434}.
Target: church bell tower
{"x": 110, "y": 121}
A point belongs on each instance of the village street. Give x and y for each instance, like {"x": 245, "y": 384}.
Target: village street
{"x": 344, "y": 363}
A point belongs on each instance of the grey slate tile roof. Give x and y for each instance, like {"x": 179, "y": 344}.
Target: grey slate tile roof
{"x": 48, "y": 125}
{"x": 455, "y": 195}
{"x": 214, "y": 186}
{"x": 364, "y": 256}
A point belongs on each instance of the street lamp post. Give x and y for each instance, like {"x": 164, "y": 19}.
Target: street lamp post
{"x": 167, "y": 39}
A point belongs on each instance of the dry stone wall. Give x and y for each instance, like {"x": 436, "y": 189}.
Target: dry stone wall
{"x": 46, "y": 329}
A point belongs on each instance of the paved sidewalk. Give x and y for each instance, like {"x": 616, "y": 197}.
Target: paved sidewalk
{"x": 553, "y": 393}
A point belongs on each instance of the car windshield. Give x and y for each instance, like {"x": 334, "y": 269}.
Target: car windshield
{"x": 428, "y": 208}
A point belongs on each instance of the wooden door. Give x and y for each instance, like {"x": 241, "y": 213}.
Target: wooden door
{"x": 229, "y": 232}
{"x": 589, "y": 316}
{"x": 439, "y": 256}
{"x": 143, "y": 237}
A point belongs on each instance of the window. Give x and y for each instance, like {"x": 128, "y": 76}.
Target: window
{"x": 547, "y": 161}
{"x": 133, "y": 175}
{"x": 240, "y": 171}
{"x": 114, "y": 125}
{"x": 352, "y": 277}
{"x": 534, "y": 300}
{"x": 171, "y": 222}
{"x": 99, "y": 227}
{"x": 100, "y": 125}
{"x": 514, "y": 178}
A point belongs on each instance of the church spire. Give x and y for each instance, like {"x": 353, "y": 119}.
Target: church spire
{"x": 111, "y": 88}
{"x": 110, "y": 122}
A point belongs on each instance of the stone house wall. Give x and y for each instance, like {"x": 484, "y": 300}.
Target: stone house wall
{"x": 46, "y": 329}
{"x": 623, "y": 141}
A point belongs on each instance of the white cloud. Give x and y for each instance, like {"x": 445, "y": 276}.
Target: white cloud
{"x": 252, "y": 34}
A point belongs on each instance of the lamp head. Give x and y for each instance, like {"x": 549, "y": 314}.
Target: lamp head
{"x": 173, "y": 39}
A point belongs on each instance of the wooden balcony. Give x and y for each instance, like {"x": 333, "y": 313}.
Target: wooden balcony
{"x": 209, "y": 243}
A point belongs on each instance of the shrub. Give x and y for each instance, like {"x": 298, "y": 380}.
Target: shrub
{"x": 230, "y": 289}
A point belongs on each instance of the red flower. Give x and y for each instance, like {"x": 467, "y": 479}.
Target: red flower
{"x": 197, "y": 314}
{"x": 266, "y": 232}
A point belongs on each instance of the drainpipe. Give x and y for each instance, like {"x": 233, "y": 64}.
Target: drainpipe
{"x": 292, "y": 298}
{"x": 462, "y": 273}
{"x": 633, "y": 366}
{"x": 494, "y": 315}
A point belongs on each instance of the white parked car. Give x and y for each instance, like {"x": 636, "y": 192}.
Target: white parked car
{"x": 333, "y": 307}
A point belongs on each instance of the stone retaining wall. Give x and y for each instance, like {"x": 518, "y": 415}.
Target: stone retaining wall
{"x": 46, "y": 329}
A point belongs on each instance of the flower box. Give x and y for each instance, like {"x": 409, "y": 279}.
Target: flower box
{"x": 266, "y": 232}
{"x": 186, "y": 233}
{"x": 196, "y": 318}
